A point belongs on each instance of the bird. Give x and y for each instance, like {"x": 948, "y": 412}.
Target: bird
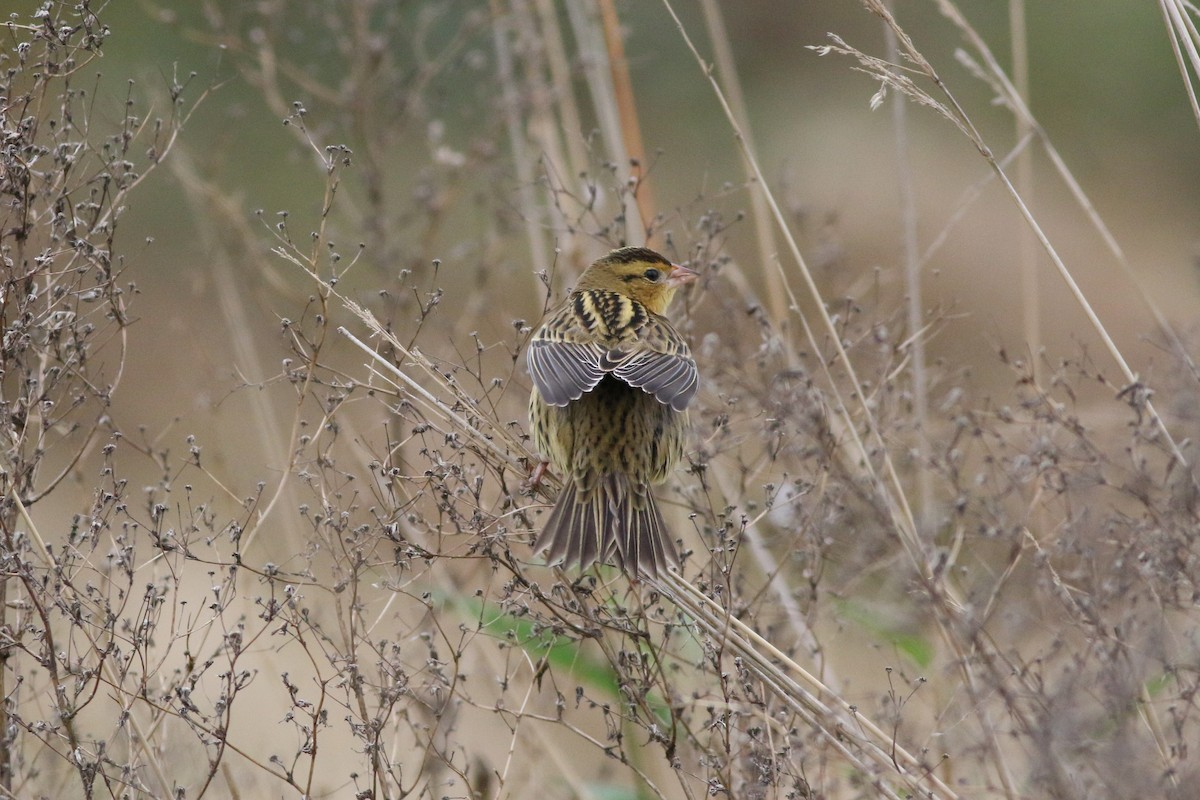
{"x": 612, "y": 381}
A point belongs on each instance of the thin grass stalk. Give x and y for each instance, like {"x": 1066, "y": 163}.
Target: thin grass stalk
{"x": 831, "y": 716}
{"x": 1027, "y": 252}
{"x": 560, "y": 79}
{"x": 531, "y": 215}
{"x": 319, "y": 238}
{"x": 916, "y": 307}
{"x": 1153, "y": 724}
{"x": 631, "y": 129}
{"x": 895, "y": 499}
{"x": 963, "y": 654}
{"x": 429, "y": 399}
{"x": 519, "y": 716}
{"x": 544, "y": 87}
{"x": 776, "y": 577}
{"x": 967, "y": 199}
{"x": 1180, "y": 27}
{"x": 563, "y": 766}
{"x": 1085, "y": 202}
{"x": 760, "y": 214}
{"x": 951, "y": 11}
{"x": 995, "y": 76}
{"x": 959, "y": 117}
{"x": 573, "y": 159}
{"x": 598, "y": 73}
{"x": 205, "y": 200}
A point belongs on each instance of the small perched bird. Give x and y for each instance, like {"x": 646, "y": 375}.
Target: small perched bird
{"x": 611, "y": 384}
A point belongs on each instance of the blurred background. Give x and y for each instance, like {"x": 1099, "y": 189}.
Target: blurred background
{"x": 455, "y": 167}
{"x": 1103, "y": 84}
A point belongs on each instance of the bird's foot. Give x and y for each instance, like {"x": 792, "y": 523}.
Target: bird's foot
{"x": 534, "y": 482}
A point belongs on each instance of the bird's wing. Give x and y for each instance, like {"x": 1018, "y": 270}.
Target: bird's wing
{"x": 658, "y": 362}
{"x": 598, "y": 332}
{"x": 564, "y": 355}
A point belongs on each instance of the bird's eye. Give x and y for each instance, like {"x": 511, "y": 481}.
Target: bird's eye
{"x": 652, "y": 274}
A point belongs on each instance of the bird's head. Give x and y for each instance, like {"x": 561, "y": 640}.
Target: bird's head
{"x": 639, "y": 273}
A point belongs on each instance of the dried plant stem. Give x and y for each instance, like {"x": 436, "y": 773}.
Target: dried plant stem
{"x": 778, "y": 578}
{"x": 288, "y": 251}
{"x": 515, "y": 726}
{"x": 1180, "y": 27}
{"x": 523, "y": 161}
{"x": 598, "y": 72}
{"x": 967, "y": 199}
{"x": 1154, "y": 725}
{"x": 837, "y": 720}
{"x": 960, "y": 118}
{"x": 631, "y": 129}
{"x": 144, "y": 739}
{"x": 895, "y": 499}
{"x": 433, "y": 403}
{"x": 971, "y": 681}
{"x": 996, "y": 76}
{"x": 764, "y": 231}
{"x": 552, "y": 121}
{"x": 964, "y": 123}
{"x": 560, "y": 73}
{"x": 207, "y": 202}
{"x": 916, "y": 309}
{"x": 1027, "y": 249}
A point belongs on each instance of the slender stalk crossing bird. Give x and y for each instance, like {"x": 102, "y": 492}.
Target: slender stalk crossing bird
{"x": 611, "y": 384}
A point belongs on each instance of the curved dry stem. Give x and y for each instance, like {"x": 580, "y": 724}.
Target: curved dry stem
{"x": 875, "y": 751}
{"x": 895, "y": 498}
{"x": 1181, "y": 29}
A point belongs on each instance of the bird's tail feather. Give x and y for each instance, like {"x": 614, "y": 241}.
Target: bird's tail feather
{"x": 609, "y": 523}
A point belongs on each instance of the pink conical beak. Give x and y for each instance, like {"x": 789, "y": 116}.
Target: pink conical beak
{"x": 678, "y": 276}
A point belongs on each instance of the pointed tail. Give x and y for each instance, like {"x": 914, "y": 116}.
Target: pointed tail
{"x": 609, "y": 523}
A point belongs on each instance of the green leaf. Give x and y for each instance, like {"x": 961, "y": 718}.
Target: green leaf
{"x": 563, "y": 654}
{"x": 917, "y": 648}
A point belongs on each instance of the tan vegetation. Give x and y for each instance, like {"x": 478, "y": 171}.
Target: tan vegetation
{"x": 914, "y": 565}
